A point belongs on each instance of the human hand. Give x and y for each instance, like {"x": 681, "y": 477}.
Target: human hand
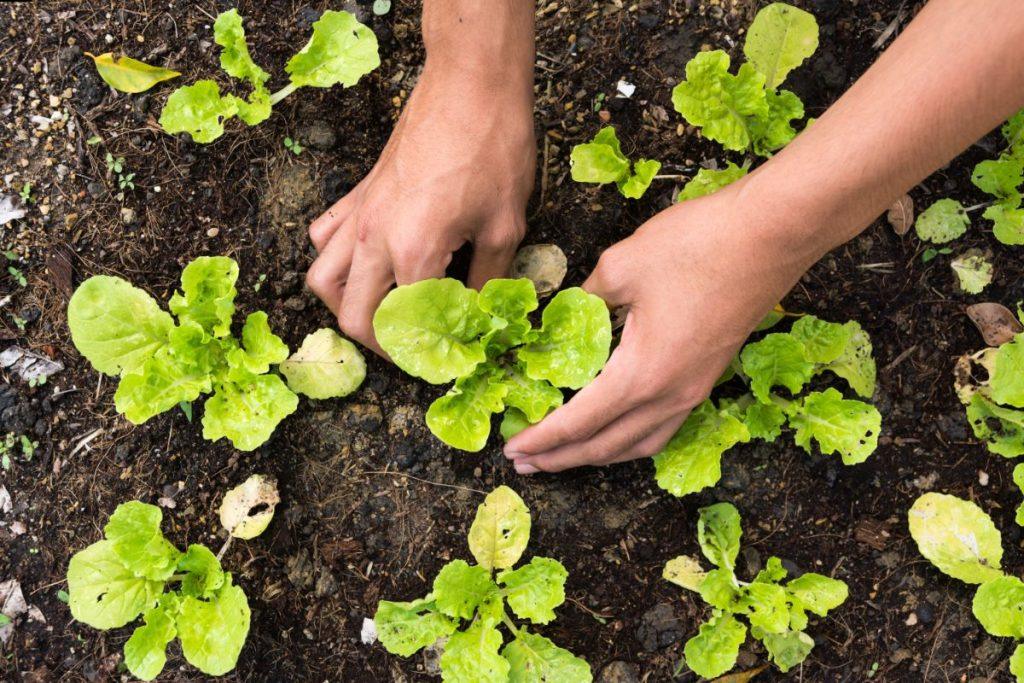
{"x": 697, "y": 278}
{"x": 458, "y": 168}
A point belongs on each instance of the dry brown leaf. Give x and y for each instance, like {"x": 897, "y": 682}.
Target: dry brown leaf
{"x": 996, "y": 322}
{"x": 901, "y": 215}
{"x": 544, "y": 264}
{"x": 742, "y": 676}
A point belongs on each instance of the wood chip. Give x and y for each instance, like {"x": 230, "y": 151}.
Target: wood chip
{"x": 901, "y": 215}
{"x": 873, "y": 533}
{"x": 58, "y": 267}
{"x": 996, "y": 322}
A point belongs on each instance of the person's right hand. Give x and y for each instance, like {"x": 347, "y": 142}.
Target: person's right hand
{"x": 458, "y": 168}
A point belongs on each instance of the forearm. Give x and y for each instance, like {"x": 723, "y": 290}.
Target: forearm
{"x": 954, "y": 74}
{"x": 490, "y": 43}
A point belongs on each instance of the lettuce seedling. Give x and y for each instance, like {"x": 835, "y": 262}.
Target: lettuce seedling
{"x": 995, "y": 403}
{"x": 960, "y": 540}
{"x": 692, "y": 459}
{"x": 601, "y": 161}
{"x": 1003, "y": 179}
{"x": 708, "y": 181}
{"x": 747, "y": 111}
{"x": 440, "y": 330}
{"x": 777, "y": 612}
{"x": 468, "y": 604}
{"x": 340, "y": 51}
{"x": 135, "y": 571}
{"x": 124, "y": 333}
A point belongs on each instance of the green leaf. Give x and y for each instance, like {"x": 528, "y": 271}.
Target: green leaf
{"x": 600, "y": 161}
{"x": 212, "y": 632}
{"x": 404, "y": 628}
{"x": 462, "y": 417}
{"x": 160, "y": 384}
{"x": 774, "y": 131}
{"x": 471, "y": 656}
{"x": 719, "y": 532}
{"x": 104, "y": 593}
{"x": 779, "y": 39}
{"x": 767, "y": 606}
{"x": 823, "y": 341}
{"x": 1017, "y": 663}
{"x": 145, "y": 653}
{"x": 1013, "y": 131}
{"x": 134, "y": 534}
{"x": 773, "y": 571}
{"x": 942, "y": 222}
{"x": 459, "y": 588}
{"x": 684, "y": 571}
{"x": 432, "y": 329}
{"x": 778, "y": 359}
{"x": 512, "y": 423}
{"x": 534, "y": 590}
{"x": 1002, "y": 429}
{"x": 957, "y": 537}
{"x": 116, "y": 326}
{"x": 839, "y": 425}
{"x": 764, "y": 421}
{"x": 574, "y": 340}
{"x": 999, "y": 607}
{"x": 1018, "y": 479}
{"x": 787, "y": 649}
{"x": 708, "y": 181}
{"x": 203, "y": 572}
{"x": 500, "y": 530}
{"x": 341, "y": 50}
{"x": 856, "y": 364}
{"x": 326, "y": 366}
{"x": 719, "y": 589}
{"x": 973, "y": 271}
{"x": 511, "y": 300}
{"x": 125, "y": 74}
{"x": 817, "y": 593}
{"x": 260, "y": 348}
{"x": 235, "y": 59}
{"x": 692, "y": 459}
{"x": 1006, "y": 384}
{"x": 208, "y": 294}
{"x": 719, "y": 102}
{"x": 713, "y": 651}
{"x": 248, "y": 412}
{"x": 198, "y": 110}
{"x": 1008, "y": 222}
{"x": 535, "y": 659}
{"x": 534, "y": 398}
{"x": 636, "y": 185}
{"x": 1000, "y": 177}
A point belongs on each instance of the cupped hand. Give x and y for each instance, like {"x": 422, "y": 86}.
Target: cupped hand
{"x": 459, "y": 167}
{"x": 697, "y": 278}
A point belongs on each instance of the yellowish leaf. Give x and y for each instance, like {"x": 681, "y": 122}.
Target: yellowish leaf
{"x": 125, "y": 74}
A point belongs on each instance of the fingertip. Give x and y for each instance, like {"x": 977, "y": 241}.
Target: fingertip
{"x": 525, "y": 468}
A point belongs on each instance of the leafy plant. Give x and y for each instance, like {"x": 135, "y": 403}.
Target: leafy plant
{"x": 440, "y": 331}
{"x": 708, "y": 181}
{"x": 340, "y": 51}
{"x": 136, "y": 571}
{"x": 746, "y": 111}
{"x": 995, "y": 401}
{"x": 777, "y": 612}
{"x": 601, "y": 161}
{"x": 468, "y": 604}
{"x": 960, "y": 540}
{"x": 26, "y": 193}
{"x": 1003, "y": 179}
{"x": 692, "y": 459}
{"x": 293, "y": 146}
{"x": 161, "y": 363}
{"x": 11, "y": 443}
{"x": 116, "y": 167}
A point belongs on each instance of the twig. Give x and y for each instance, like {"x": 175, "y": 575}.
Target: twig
{"x": 427, "y": 481}
{"x": 85, "y": 441}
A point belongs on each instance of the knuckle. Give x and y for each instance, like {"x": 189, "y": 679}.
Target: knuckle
{"x": 355, "y": 327}
{"x": 501, "y": 240}
{"x": 317, "y": 278}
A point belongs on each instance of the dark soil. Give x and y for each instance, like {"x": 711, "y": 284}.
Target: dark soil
{"x": 372, "y": 504}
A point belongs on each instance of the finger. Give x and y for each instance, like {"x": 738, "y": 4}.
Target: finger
{"x": 492, "y": 255}
{"x": 620, "y": 436}
{"x": 605, "y": 399}
{"x": 654, "y": 443}
{"x": 416, "y": 263}
{"x": 609, "y": 278}
{"x": 326, "y": 277}
{"x": 323, "y": 228}
{"x": 368, "y": 282}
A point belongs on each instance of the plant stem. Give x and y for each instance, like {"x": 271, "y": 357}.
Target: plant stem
{"x": 509, "y": 623}
{"x": 177, "y": 577}
{"x": 224, "y": 548}
{"x": 282, "y": 93}
{"x": 671, "y": 177}
{"x": 983, "y": 205}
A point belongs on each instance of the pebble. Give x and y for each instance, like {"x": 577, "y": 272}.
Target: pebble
{"x": 659, "y": 627}
{"x": 127, "y": 215}
{"x": 619, "y": 672}
{"x": 213, "y": 232}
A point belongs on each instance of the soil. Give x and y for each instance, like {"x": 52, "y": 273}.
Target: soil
{"x": 372, "y": 503}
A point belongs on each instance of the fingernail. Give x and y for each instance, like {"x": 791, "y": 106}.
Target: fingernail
{"x": 523, "y": 468}
{"x": 512, "y": 455}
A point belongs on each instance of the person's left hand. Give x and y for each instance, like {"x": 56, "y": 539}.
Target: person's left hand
{"x": 697, "y": 278}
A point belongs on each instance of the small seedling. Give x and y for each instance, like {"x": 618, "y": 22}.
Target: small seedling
{"x": 116, "y": 167}
{"x": 18, "y": 276}
{"x": 692, "y": 459}
{"x": 777, "y": 612}
{"x": 123, "y": 332}
{"x": 340, "y": 51}
{"x": 960, "y": 540}
{"x": 19, "y": 322}
{"x": 601, "y": 161}
{"x": 930, "y": 253}
{"x": 259, "y": 282}
{"x": 26, "y": 193}
{"x": 12, "y": 443}
{"x": 486, "y": 344}
{"x": 473, "y": 598}
{"x": 293, "y": 146}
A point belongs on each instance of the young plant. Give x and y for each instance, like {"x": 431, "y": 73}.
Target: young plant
{"x": 960, "y": 540}
{"x": 1003, "y": 179}
{"x": 995, "y": 403}
{"x": 340, "y": 51}
{"x": 468, "y": 604}
{"x": 708, "y": 181}
{"x": 692, "y": 459}
{"x": 601, "y": 161}
{"x": 439, "y": 330}
{"x": 161, "y": 363}
{"x": 135, "y": 571}
{"x": 777, "y": 612}
{"x": 746, "y": 111}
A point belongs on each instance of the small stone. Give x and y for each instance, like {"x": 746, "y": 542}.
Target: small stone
{"x": 127, "y": 215}
{"x": 95, "y": 189}
{"x": 659, "y": 628}
{"x": 213, "y": 232}
{"x": 912, "y": 619}
{"x": 604, "y": 115}
{"x": 619, "y": 672}
{"x": 295, "y": 303}
{"x": 318, "y": 135}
